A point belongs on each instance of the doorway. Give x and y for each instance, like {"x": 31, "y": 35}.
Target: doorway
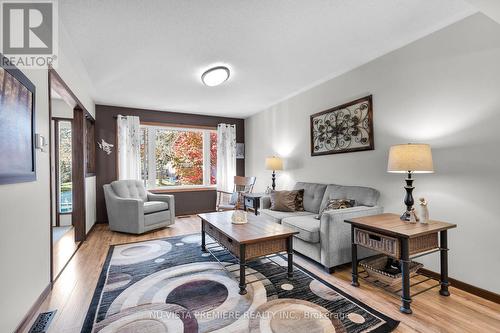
{"x": 63, "y": 230}
{"x": 71, "y": 140}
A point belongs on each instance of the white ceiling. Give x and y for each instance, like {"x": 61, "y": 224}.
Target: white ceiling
{"x": 150, "y": 54}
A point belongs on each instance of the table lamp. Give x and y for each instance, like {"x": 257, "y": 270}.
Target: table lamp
{"x": 410, "y": 158}
{"x": 274, "y": 163}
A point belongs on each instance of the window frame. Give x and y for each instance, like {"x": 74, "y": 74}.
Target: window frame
{"x": 57, "y": 171}
{"x": 150, "y": 182}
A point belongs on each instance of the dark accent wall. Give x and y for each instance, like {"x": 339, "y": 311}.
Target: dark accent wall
{"x": 106, "y": 168}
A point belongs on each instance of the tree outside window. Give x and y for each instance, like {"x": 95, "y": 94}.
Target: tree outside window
{"x": 178, "y": 156}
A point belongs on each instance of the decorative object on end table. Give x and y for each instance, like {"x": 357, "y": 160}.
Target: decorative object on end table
{"x": 274, "y": 163}
{"x": 344, "y": 128}
{"x": 423, "y": 211}
{"x": 410, "y": 158}
{"x": 413, "y": 216}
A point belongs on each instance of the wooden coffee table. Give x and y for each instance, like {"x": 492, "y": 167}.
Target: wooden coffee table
{"x": 257, "y": 238}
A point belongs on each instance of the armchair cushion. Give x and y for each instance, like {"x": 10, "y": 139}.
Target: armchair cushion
{"x": 133, "y": 189}
{"x": 307, "y": 226}
{"x": 154, "y": 206}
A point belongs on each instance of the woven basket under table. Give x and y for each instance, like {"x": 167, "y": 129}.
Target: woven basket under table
{"x": 374, "y": 267}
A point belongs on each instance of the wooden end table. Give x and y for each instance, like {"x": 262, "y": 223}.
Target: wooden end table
{"x": 257, "y": 238}
{"x": 387, "y": 234}
{"x": 252, "y": 200}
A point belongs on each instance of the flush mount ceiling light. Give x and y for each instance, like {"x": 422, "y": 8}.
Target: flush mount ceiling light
{"x": 215, "y": 76}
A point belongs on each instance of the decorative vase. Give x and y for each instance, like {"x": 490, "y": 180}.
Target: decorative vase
{"x": 239, "y": 217}
{"x": 423, "y": 211}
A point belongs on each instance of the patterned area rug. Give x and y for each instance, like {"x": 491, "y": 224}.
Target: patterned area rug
{"x": 170, "y": 285}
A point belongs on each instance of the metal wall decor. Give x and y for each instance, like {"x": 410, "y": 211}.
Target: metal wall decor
{"x": 344, "y": 128}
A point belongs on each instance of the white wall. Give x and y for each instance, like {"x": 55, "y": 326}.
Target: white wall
{"x": 25, "y": 218}
{"x": 25, "y": 207}
{"x": 442, "y": 90}
{"x": 73, "y": 72}
{"x": 61, "y": 109}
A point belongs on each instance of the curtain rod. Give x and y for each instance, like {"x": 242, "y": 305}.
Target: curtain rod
{"x": 233, "y": 125}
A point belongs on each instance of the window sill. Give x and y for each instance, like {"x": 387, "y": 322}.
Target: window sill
{"x": 174, "y": 189}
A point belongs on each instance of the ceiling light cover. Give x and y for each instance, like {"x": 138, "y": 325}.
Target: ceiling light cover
{"x": 215, "y": 76}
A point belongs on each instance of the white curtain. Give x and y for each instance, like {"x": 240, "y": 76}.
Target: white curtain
{"x": 129, "y": 147}
{"x": 226, "y": 157}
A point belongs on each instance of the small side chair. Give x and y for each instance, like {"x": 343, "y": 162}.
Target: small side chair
{"x": 229, "y": 200}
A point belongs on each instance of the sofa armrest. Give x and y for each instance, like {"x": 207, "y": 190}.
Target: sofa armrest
{"x": 265, "y": 202}
{"x": 168, "y": 198}
{"x": 335, "y": 234}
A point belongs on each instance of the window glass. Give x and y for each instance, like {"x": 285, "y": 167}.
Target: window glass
{"x": 176, "y": 156}
{"x": 64, "y": 158}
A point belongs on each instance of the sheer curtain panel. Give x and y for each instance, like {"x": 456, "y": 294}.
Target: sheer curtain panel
{"x": 226, "y": 157}
{"x": 129, "y": 147}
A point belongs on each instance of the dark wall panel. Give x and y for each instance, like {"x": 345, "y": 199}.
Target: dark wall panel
{"x": 106, "y": 166}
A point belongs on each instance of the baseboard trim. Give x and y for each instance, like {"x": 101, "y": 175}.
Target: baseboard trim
{"x": 32, "y": 311}
{"x": 486, "y": 294}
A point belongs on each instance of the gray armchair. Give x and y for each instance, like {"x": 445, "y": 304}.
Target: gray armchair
{"x": 134, "y": 210}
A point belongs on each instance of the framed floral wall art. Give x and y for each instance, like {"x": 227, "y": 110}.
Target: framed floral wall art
{"x": 343, "y": 129}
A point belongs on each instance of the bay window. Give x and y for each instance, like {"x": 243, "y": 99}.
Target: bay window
{"x": 178, "y": 157}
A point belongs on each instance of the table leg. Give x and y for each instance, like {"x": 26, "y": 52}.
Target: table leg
{"x": 203, "y": 246}
{"x": 443, "y": 245}
{"x": 354, "y": 259}
{"x": 289, "y": 250}
{"x": 405, "y": 270}
{"x": 243, "y": 285}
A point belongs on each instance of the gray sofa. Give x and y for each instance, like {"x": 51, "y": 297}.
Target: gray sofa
{"x": 134, "y": 210}
{"x": 326, "y": 240}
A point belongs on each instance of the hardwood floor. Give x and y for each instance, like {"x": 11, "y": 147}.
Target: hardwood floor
{"x": 73, "y": 291}
{"x": 63, "y": 249}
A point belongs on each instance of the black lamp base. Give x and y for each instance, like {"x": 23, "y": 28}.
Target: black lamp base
{"x": 408, "y": 198}
{"x": 405, "y": 216}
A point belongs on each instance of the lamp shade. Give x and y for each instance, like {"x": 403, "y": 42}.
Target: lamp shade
{"x": 412, "y": 157}
{"x": 274, "y": 163}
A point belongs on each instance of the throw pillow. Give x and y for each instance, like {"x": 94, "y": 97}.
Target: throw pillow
{"x": 299, "y": 200}
{"x": 336, "y": 204}
{"x": 283, "y": 201}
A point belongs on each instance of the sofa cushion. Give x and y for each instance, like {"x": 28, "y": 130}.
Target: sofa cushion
{"x": 313, "y": 195}
{"x": 307, "y": 226}
{"x": 363, "y": 196}
{"x": 277, "y": 216}
{"x": 154, "y": 206}
{"x": 129, "y": 189}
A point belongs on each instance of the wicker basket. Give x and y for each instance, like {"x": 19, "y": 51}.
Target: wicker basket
{"x": 374, "y": 267}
